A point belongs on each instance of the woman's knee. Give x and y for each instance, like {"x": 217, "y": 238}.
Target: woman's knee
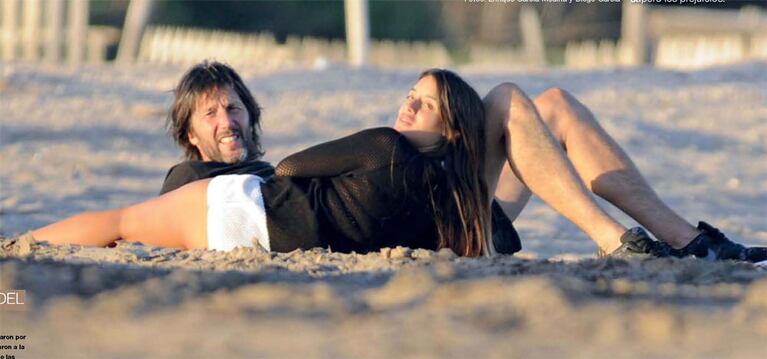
{"x": 554, "y": 96}
{"x": 562, "y": 112}
{"x": 557, "y": 100}
{"x": 504, "y": 98}
{"x": 557, "y": 109}
{"x": 552, "y": 101}
{"x": 502, "y": 95}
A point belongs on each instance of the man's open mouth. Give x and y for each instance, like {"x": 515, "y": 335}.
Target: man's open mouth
{"x": 229, "y": 138}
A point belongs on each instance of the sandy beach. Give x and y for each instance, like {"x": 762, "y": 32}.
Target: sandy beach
{"x": 92, "y": 138}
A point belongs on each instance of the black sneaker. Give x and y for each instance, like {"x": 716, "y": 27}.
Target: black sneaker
{"x": 711, "y": 244}
{"x": 638, "y": 244}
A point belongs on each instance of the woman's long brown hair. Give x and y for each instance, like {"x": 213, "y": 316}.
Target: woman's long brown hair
{"x": 461, "y": 210}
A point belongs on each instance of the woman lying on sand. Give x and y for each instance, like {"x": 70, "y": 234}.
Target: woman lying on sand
{"x": 418, "y": 185}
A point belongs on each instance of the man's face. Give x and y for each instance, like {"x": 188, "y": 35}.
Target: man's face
{"x": 220, "y": 129}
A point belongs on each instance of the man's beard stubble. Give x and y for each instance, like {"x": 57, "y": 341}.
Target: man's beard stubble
{"x": 213, "y": 152}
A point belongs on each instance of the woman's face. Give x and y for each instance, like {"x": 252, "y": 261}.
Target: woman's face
{"x": 419, "y": 118}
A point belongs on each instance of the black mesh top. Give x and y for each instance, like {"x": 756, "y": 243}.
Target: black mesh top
{"x": 358, "y": 193}
{"x": 505, "y": 237}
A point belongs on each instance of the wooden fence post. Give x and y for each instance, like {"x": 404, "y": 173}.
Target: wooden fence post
{"x": 357, "y": 31}
{"x": 54, "y": 30}
{"x": 138, "y": 15}
{"x": 10, "y": 14}
{"x": 78, "y": 28}
{"x": 532, "y": 37}
{"x": 634, "y": 31}
{"x": 31, "y": 30}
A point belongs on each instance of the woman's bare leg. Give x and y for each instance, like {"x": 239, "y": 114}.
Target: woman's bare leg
{"x": 606, "y": 169}
{"x": 176, "y": 219}
{"x": 516, "y": 134}
{"x": 511, "y": 193}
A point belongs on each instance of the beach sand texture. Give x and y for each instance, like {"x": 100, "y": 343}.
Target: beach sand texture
{"x": 93, "y": 138}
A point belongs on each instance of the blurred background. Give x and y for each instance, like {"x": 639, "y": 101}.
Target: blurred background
{"x": 418, "y": 33}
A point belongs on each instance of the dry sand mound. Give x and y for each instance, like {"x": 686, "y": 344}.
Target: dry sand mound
{"x": 74, "y": 140}
{"x": 136, "y": 301}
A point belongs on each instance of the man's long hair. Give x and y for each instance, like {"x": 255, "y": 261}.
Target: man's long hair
{"x": 202, "y": 80}
{"x": 461, "y": 208}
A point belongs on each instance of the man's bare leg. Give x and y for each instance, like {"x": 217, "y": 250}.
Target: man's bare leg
{"x": 606, "y": 169}
{"x": 515, "y": 133}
